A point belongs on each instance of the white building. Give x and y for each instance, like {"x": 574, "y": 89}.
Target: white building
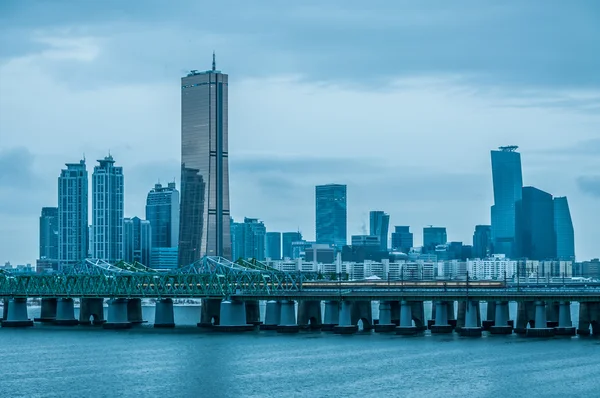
{"x": 497, "y": 267}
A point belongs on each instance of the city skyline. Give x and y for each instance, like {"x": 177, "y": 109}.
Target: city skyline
{"x": 411, "y": 132}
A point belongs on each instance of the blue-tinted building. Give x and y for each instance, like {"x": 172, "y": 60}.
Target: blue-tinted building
{"x": 508, "y": 183}
{"x": 287, "y": 239}
{"x": 535, "y": 225}
{"x": 563, "y": 230}
{"x": 379, "y": 223}
{"x": 248, "y": 239}
{"x": 482, "y": 241}
{"x": 49, "y": 233}
{"x": 273, "y": 247}
{"x": 162, "y": 211}
{"x": 331, "y": 215}
{"x": 402, "y": 239}
{"x": 137, "y": 240}
{"x": 72, "y": 214}
{"x": 433, "y": 236}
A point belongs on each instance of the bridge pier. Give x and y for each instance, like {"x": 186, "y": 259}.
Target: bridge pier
{"x": 541, "y": 329}
{"x": 65, "y": 313}
{"x": 462, "y": 314}
{"x": 441, "y": 324}
{"x": 287, "y": 322}
{"x": 253, "y": 313}
{"x": 91, "y": 308}
{"x": 163, "y": 314}
{"x": 272, "y": 315}
{"x": 552, "y": 310}
{"x": 362, "y": 311}
{"x": 4, "y": 309}
{"x": 332, "y": 315}
{"x": 16, "y": 316}
{"x": 117, "y": 314}
{"x": 525, "y": 316}
{"x": 472, "y": 320}
{"x": 233, "y": 317}
{"x": 565, "y": 326}
{"x": 309, "y": 314}
{"x": 406, "y": 327}
{"x": 346, "y": 325}
{"x": 134, "y": 311}
{"x": 209, "y": 313}
{"x": 501, "y": 321}
{"x": 385, "y": 318}
{"x": 490, "y": 316}
{"x": 48, "y": 310}
{"x": 589, "y": 315}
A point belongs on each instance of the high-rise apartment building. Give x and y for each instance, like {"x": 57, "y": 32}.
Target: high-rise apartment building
{"x": 107, "y": 210}
{"x": 402, "y": 238}
{"x": 248, "y": 239}
{"x": 72, "y": 214}
{"x": 482, "y": 241}
{"x": 287, "y": 239}
{"x": 204, "y": 227}
{"x": 331, "y": 214}
{"x": 273, "y": 248}
{"x": 49, "y": 233}
{"x": 535, "y": 225}
{"x": 508, "y": 183}
{"x": 162, "y": 211}
{"x": 137, "y": 240}
{"x": 563, "y": 229}
{"x": 379, "y": 223}
{"x": 433, "y": 236}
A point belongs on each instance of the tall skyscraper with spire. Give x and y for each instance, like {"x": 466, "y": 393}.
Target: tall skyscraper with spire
{"x": 204, "y": 227}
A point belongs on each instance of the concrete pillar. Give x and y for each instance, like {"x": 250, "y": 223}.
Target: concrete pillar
{"x": 233, "y": 317}
{"x": 584, "y": 319}
{"x": 134, "y": 310}
{"x": 117, "y": 315}
{"x": 210, "y": 313}
{"x": 525, "y": 316}
{"x": 406, "y": 327}
{"x": 501, "y": 324}
{"x": 332, "y": 315}
{"x": 395, "y": 306}
{"x": 490, "y": 316}
{"x": 287, "y": 321}
{"x": 91, "y": 308}
{"x": 385, "y": 318}
{"x": 441, "y": 324}
{"x": 541, "y": 328}
{"x": 272, "y": 315}
{"x": 17, "y": 314}
{"x": 362, "y": 311}
{"x": 471, "y": 328}
{"x": 309, "y": 314}
{"x": 65, "y": 313}
{"x": 552, "y": 310}
{"x": 565, "y": 326}
{"x": 163, "y": 314}
{"x": 418, "y": 314}
{"x": 5, "y": 309}
{"x": 462, "y": 314}
{"x": 48, "y": 311}
{"x": 346, "y": 325}
{"x": 450, "y": 316}
{"x": 253, "y": 313}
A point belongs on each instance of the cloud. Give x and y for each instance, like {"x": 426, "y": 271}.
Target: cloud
{"x": 589, "y": 185}
{"x": 16, "y": 169}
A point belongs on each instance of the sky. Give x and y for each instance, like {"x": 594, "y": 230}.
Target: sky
{"x": 400, "y": 100}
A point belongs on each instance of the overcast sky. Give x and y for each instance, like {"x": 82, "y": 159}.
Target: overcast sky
{"x": 400, "y": 100}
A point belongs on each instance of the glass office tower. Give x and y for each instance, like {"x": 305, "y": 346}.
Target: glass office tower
{"x": 331, "y": 214}
{"x": 204, "y": 227}
{"x": 563, "y": 229}
{"x": 379, "y": 223}
{"x": 508, "y": 185}
{"x": 72, "y": 214}
{"x": 535, "y": 225}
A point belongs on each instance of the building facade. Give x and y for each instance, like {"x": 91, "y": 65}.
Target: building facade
{"x": 107, "y": 210}
{"x": 72, "y": 214}
{"x": 482, "y": 241}
{"x": 273, "y": 247}
{"x": 204, "y": 215}
{"x": 137, "y": 241}
{"x": 535, "y": 225}
{"x": 287, "y": 238}
{"x": 497, "y": 267}
{"x": 49, "y": 233}
{"x": 162, "y": 211}
{"x": 402, "y": 239}
{"x": 331, "y": 215}
{"x": 563, "y": 230}
{"x": 249, "y": 239}
{"x": 379, "y": 224}
{"x": 508, "y": 183}
{"x": 432, "y": 237}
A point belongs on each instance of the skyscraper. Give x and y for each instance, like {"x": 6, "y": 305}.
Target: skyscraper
{"x": 204, "y": 227}
{"x": 249, "y": 239}
{"x": 137, "y": 240}
{"x": 433, "y": 236}
{"x": 402, "y": 238}
{"x": 287, "y": 239}
{"x": 535, "y": 225}
{"x": 162, "y": 211}
{"x": 49, "y": 233}
{"x": 379, "y": 223}
{"x": 273, "y": 249}
{"x": 482, "y": 241}
{"x": 508, "y": 183}
{"x": 107, "y": 210}
{"x": 563, "y": 229}
{"x": 331, "y": 214}
{"x": 72, "y": 214}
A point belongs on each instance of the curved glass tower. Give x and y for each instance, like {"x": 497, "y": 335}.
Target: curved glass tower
{"x": 204, "y": 213}
{"x": 563, "y": 229}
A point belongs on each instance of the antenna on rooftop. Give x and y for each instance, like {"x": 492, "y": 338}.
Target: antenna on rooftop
{"x": 214, "y": 64}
